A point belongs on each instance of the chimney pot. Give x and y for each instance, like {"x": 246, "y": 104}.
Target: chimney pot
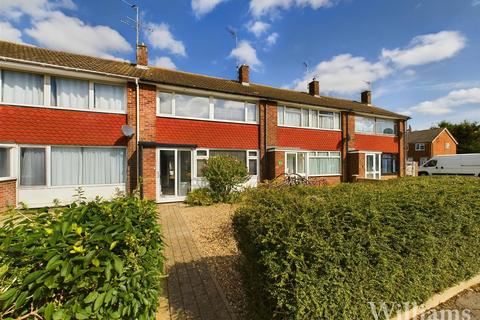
{"x": 243, "y": 74}
{"x": 367, "y": 97}
{"x": 142, "y": 55}
{"x": 314, "y": 88}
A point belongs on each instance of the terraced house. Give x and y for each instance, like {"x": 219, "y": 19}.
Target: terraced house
{"x": 69, "y": 120}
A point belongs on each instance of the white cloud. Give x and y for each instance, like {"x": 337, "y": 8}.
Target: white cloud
{"x": 164, "y": 62}
{"x": 427, "y": 48}
{"x": 447, "y": 104}
{"x": 161, "y": 38}
{"x": 272, "y": 39}
{"x": 202, "y": 7}
{"x": 14, "y": 9}
{"x": 61, "y": 32}
{"x": 263, "y": 7}
{"x": 258, "y": 28}
{"x": 10, "y": 33}
{"x": 344, "y": 74}
{"x": 245, "y": 53}
{"x": 476, "y": 3}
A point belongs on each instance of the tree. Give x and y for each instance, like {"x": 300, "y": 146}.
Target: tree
{"x": 466, "y": 133}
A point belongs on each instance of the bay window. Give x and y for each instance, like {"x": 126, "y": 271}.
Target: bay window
{"x": 22, "y": 88}
{"x": 69, "y": 93}
{"x": 389, "y": 163}
{"x": 110, "y": 97}
{"x": 308, "y": 118}
{"x": 33, "y": 167}
{"x": 4, "y": 162}
{"x": 321, "y": 163}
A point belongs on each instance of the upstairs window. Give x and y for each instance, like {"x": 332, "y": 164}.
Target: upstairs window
{"x": 229, "y": 110}
{"x": 308, "y": 118}
{"x": 375, "y": 125}
{"x": 384, "y": 126}
{"x": 364, "y": 125}
{"x": 69, "y": 93}
{"x": 22, "y": 88}
{"x": 419, "y": 146}
{"x": 110, "y": 97}
{"x": 191, "y": 106}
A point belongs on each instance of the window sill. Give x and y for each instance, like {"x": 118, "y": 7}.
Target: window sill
{"x": 60, "y": 108}
{"x": 70, "y": 186}
{"x": 324, "y": 175}
{"x": 159, "y": 115}
{"x": 7, "y": 179}
{"x": 308, "y": 128}
{"x": 377, "y": 134}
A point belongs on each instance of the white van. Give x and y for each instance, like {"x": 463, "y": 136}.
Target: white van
{"x": 458, "y": 164}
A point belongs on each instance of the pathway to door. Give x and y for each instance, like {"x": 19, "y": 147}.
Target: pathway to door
{"x": 190, "y": 291}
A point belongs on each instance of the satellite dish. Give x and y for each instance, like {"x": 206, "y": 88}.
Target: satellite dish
{"x": 127, "y": 131}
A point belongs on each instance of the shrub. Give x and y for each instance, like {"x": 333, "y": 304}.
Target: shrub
{"x": 96, "y": 260}
{"x": 199, "y": 197}
{"x": 224, "y": 174}
{"x": 324, "y": 253}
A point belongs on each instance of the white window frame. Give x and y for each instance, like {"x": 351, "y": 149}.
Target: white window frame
{"x": 47, "y": 93}
{"x": 206, "y": 157}
{"x": 376, "y": 121}
{"x": 13, "y": 149}
{"x": 376, "y": 171}
{"x": 283, "y": 109}
{"x": 420, "y": 147}
{"x": 211, "y": 107}
{"x": 330, "y": 155}
{"x": 48, "y": 166}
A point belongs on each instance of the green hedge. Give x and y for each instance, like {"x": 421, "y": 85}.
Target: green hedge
{"x": 97, "y": 260}
{"x": 324, "y": 253}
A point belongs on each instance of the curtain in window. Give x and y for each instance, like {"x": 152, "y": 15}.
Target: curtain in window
{"x": 23, "y": 88}
{"x": 109, "y": 97}
{"x": 190, "y": 106}
{"x": 229, "y": 110}
{"x": 103, "y": 165}
{"x": 70, "y": 93}
{"x": 4, "y": 162}
{"x": 237, "y": 154}
{"x": 314, "y": 118}
{"x": 251, "y": 112}
{"x": 363, "y": 124}
{"x": 293, "y": 117}
{"x": 66, "y": 166}
{"x": 165, "y": 103}
{"x": 281, "y": 115}
{"x": 324, "y": 166}
{"x": 32, "y": 167}
{"x": 389, "y": 163}
{"x": 326, "y": 121}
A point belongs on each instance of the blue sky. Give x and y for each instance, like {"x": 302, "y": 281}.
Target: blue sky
{"x": 420, "y": 56}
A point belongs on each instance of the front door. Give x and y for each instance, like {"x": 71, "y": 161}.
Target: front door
{"x": 372, "y": 166}
{"x": 174, "y": 177}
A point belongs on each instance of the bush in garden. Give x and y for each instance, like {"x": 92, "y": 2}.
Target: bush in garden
{"x": 224, "y": 174}
{"x": 199, "y": 197}
{"x": 96, "y": 260}
{"x": 324, "y": 253}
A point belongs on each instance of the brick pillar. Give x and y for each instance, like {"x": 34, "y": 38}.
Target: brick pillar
{"x": 8, "y": 194}
{"x": 401, "y": 147}
{"x": 348, "y": 130}
{"x": 132, "y": 142}
{"x": 148, "y": 132}
{"x": 268, "y": 137}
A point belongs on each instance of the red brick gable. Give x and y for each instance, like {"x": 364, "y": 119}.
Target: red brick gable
{"x": 207, "y": 134}
{"x": 366, "y": 142}
{"x": 309, "y": 139}
{"x": 30, "y": 125}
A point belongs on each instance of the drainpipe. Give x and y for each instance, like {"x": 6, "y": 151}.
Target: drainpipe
{"x": 137, "y": 116}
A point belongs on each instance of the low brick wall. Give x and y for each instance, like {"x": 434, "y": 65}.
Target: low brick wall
{"x": 8, "y": 194}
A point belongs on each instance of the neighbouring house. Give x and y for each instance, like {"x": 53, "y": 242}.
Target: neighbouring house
{"x": 425, "y": 144}
{"x": 69, "y": 120}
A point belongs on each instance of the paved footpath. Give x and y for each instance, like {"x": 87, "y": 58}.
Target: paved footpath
{"x": 190, "y": 290}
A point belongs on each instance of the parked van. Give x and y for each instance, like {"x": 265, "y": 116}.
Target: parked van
{"x": 457, "y": 164}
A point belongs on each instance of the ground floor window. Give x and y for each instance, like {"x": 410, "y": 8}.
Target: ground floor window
{"x": 72, "y": 166}
{"x": 248, "y": 157}
{"x": 373, "y": 166}
{"x": 4, "y": 162}
{"x": 318, "y": 163}
{"x": 389, "y": 163}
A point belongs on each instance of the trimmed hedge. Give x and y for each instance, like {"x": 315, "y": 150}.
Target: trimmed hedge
{"x": 324, "y": 253}
{"x": 97, "y": 260}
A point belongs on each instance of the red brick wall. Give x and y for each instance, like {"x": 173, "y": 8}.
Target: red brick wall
{"x": 267, "y": 138}
{"x": 61, "y": 127}
{"x": 370, "y": 142}
{"x": 148, "y": 132}
{"x": 207, "y": 134}
{"x": 439, "y": 147}
{"x": 8, "y": 194}
{"x": 309, "y": 139}
{"x": 132, "y": 142}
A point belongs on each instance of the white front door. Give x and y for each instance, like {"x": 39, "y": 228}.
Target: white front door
{"x": 174, "y": 174}
{"x": 373, "y": 166}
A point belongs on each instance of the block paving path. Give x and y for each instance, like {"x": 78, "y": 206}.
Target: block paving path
{"x": 190, "y": 290}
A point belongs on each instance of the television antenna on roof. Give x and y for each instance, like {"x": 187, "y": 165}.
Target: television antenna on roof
{"x": 234, "y": 34}
{"x": 369, "y": 84}
{"x": 134, "y": 23}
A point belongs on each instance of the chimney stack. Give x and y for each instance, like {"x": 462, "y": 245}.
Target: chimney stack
{"x": 142, "y": 55}
{"x": 367, "y": 97}
{"x": 314, "y": 88}
{"x": 243, "y": 74}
